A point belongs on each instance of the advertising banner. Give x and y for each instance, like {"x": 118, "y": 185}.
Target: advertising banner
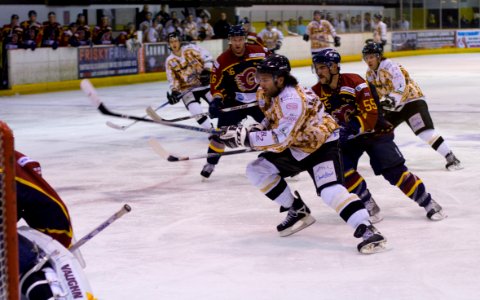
{"x": 430, "y": 39}
{"x": 468, "y": 38}
{"x": 155, "y": 56}
{"x": 102, "y": 61}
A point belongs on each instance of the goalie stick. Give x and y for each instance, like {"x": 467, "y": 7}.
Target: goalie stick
{"x": 125, "y": 209}
{"x": 228, "y": 109}
{"x": 157, "y": 147}
{"x": 88, "y": 89}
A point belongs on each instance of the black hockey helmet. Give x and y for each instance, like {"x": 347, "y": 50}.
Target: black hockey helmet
{"x": 274, "y": 64}
{"x": 372, "y": 48}
{"x": 236, "y": 30}
{"x": 378, "y": 16}
{"x": 244, "y": 21}
{"x": 327, "y": 57}
{"x": 173, "y": 35}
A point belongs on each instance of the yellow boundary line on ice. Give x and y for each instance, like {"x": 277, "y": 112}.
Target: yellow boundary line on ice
{"x": 48, "y": 87}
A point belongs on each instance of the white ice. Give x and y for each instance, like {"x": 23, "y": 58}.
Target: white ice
{"x": 187, "y": 239}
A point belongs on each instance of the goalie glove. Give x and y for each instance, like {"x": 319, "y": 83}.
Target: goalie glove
{"x": 235, "y": 136}
{"x": 336, "y": 41}
{"x": 205, "y": 77}
{"x": 174, "y": 97}
{"x": 306, "y": 37}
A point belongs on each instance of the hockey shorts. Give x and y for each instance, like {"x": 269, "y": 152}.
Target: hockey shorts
{"x": 416, "y": 115}
{"x": 383, "y": 153}
{"x": 324, "y": 165}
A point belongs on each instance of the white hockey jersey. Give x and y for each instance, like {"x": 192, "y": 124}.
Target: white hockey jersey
{"x": 319, "y": 33}
{"x": 183, "y": 71}
{"x": 295, "y": 119}
{"x": 392, "y": 79}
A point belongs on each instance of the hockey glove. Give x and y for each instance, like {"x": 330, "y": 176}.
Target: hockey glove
{"x": 205, "y": 77}
{"x": 388, "y": 103}
{"x": 336, "y": 41}
{"x": 215, "y": 107}
{"x": 235, "y": 136}
{"x": 174, "y": 97}
{"x": 349, "y": 131}
{"x": 255, "y": 127}
{"x": 306, "y": 37}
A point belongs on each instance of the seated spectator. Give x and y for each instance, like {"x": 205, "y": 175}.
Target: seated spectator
{"x": 174, "y": 26}
{"x": 102, "y": 34}
{"x": 83, "y": 33}
{"x": 52, "y": 31}
{"x": 32, "y": 31}
{"x": 221, "y": 27}
{"x": 464, "y": 22}
{"x": 190, "y": 29}
{"x": 143, "y": 15}
{"x": 151, "y": 35}
{"x": 432, "y": 21}
{"x": 205, "y": 30}
{"x": 164, "y": 14}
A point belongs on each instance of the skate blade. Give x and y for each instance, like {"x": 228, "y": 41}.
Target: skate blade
{"x": 438, "y": 216}
{"x": 375, "y": 247}
{"x": 455, "y": 167}
{"x": 376, "y": 218}
{"x": 303, "y": 223}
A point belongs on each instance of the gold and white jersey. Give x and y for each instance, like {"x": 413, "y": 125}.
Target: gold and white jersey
{"x": 271, "y": 37}
{"x": 392, "y": 79}
{"x": 319, "y": 32}
{"x": 295, "y": 119}
{"x": 183, "y": 72}
{"x": 379, "y": 32}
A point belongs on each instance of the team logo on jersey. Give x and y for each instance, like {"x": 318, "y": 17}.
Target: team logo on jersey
{"x": 246, "y": 80}
{"x": 342, "y": 114}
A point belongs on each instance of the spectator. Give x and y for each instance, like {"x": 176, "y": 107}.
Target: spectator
{"x": 301, "y": 28}
{"x": 432, "y": 21}
{"x": 32, "y": 31}
{"x": 404, "y": 24}
{"x": 292, "y": 26}
{"x": 173, "y": 19}
{"x": 152, "y": 35}
{"x": 102, "y": 34}
{"x": 52, "y": 32}
{"x": 205, "y": 30}
{"x": 367, "y": 26}
{"x": 200, "y": 13}
{"x": 83, "y": 33}
{"x": 143, "y": 15}
{"x": 147, "y": 23}
{"x": 450, "y": 22}
{"x": 190, "y": 29}
{"x": 340, "y": 24}
{"x": 130, "y": 32}
{"x": 165, "y": 15}
{"x": 252, "y": 37}
{"x": 174, "y": 26}
{"x": 221, "y": 27}
{"x": 464, "y": 22}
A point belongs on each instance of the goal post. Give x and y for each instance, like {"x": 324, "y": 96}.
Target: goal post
{"x": 9, "y": 266}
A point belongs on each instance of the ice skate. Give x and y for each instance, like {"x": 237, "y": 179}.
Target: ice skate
{"x": 373, "y": 210}
{"x": 373, "y": 240}
{"x": 452, "y": 162}
{"x": 435, "y": 211}
{"x": 207, "y": 170}
{"x": 298, "y": 217}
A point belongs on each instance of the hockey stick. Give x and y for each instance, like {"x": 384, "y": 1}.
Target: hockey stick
{"x": 125, "y": 209}
{"x": 157, "y": 119}
{"x": 157, "y": 147}
{"x": 228, "y": 109}
{"x": 124, "y": 127}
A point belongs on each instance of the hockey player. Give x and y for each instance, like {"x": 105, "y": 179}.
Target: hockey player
{"x": 233, "y": 83}
{"x": 188, "y": 71}
{"x": 272, "y": 37}
{"x": 47, "y": 240}
{"x": 38, "y": 203}
{"x": 252, "y": 37}
{"x": 404, "y": 101}
{"x": 318, "y": 31}
{"x": 348, "y": 98}
{"x": 296, "y": 136}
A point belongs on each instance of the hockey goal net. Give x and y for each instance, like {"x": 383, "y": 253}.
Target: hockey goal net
{"x": 8, "y": 217}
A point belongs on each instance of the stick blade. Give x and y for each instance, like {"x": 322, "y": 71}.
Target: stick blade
{"x": 159, "y": 149}
{"x": 88, "y": 88}
{"x": 115, "y": 126}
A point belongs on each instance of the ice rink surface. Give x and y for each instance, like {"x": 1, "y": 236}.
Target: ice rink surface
{"x": 188, "y": 239}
